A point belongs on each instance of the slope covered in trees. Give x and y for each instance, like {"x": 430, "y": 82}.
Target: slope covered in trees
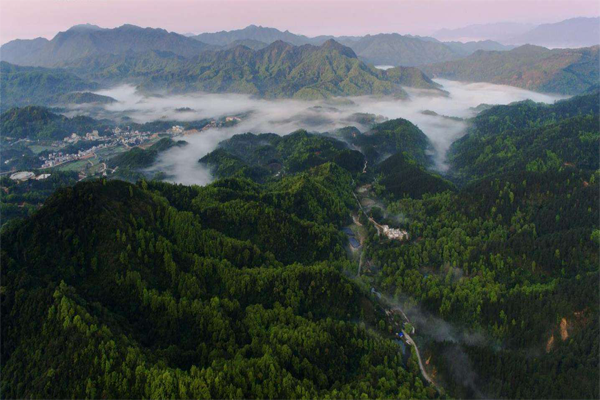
{"x": 33, "y": 122}
{"x": 530, "y": 136}
{"x": 119, "y": 290}
{"x": 505, "y": 260}
{"x": 565, "y": 71}
{"x": 262, "y": 156}
{"x": 21, "y": 86}
{"x": 401, "y": 177}
{"x": 390, "y": 137}
{"x": 510, "y": 261}
{"x": 284, "y": 70}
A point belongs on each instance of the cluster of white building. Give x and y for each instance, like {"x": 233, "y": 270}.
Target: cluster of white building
{"x": 129, "y": 138}
{"x": 58, "y": 158}
{"x": 176, "y": 130}
{"x": 393, "y": 233}
{"x": 23, "y": 176}
{"x": 93, "y": 135}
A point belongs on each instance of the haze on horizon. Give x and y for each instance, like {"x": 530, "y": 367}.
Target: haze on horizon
{"x": 27, "y": 19}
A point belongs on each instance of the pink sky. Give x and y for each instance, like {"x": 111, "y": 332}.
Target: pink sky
{"x": 33, "y": 18}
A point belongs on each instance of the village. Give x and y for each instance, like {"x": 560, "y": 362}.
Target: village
{"x": 93, "y": 145}
{"x": 119, "y": 137}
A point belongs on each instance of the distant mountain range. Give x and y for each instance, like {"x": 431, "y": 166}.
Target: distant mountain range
{"x": 574, "y": 32}
{"x": 279, "y": 70}
{"x": 382, "y": 49}
{"x": 283, "y": 70}
{"x": 89, "y": 40}
{"x": 497, "y": 31}
{"x": 270, "y": 63}
{"x": 255, "y": 33}
{"x": 565, "y": 71}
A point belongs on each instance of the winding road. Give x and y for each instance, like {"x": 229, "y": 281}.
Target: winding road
{"x": 411, "y": 342}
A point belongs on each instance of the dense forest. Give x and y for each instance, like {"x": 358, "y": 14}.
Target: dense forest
{"x": 265, "y": 156}
{"x": 512, "y": 257}
{"x": 152, "y": 290}
{"x": 247, "y": 287}
{"x": 529, "y": 136}
{"x": 34, "y": 122}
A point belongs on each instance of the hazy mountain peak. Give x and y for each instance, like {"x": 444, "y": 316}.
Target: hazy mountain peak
{"x": 279, "y": 45}
{"x": 85, "y": 27}
{"x": 331, "y": 44}
{"x": 529, "y": 48}
{"x": 573, "y": 32}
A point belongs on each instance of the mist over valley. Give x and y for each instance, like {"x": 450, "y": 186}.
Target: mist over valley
{"x": 286, "y": 116}
{"x": 300, "y": 199}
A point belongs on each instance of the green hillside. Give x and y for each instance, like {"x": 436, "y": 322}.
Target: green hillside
{"x": 530, "y": 136}
{"x": 390, "y": 137}
{"x": 34, "y": 122}
{"x": 151, "y": 291}
{"x": 565, "y": 71}
{"x": 402, "y": 177}
{"x": 89, "y": 40}
{"x": 260, "y": 157}
{"x": 21, "y": 86}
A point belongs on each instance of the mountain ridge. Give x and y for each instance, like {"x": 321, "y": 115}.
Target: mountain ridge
{"x": 564, "y": 71}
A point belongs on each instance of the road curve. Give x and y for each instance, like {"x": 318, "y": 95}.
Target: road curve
{"x": 411, "y": 342}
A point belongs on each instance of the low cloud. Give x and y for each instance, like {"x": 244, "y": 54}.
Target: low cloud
{"x": 285, "y": 116}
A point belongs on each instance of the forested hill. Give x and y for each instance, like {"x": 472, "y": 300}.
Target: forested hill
{"x": 89, "y": 40}
{"x": 21, "y": 86}
{"x": 34, "y": 122}
{"x": 530, "y": 136}
{"x": 260, "y": 157}
{"x": 284, "y": 70}
{"x": 565, "y": 71}
{"x": 157, "y": 290}
{"x": 266, "y": 156}
{"x": 277, "y": 71}
{"x": 509, "y": 261}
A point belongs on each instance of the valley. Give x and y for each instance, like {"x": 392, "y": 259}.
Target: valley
{"x": 256, "y": 213}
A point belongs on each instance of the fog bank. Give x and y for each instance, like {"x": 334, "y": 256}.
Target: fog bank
{"x": 285, "y": 116}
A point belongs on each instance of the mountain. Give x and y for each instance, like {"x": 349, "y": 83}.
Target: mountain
{"x": 126, "y": 291}
{"x": 412, "y": 77}
{"x": 395, "y": 49}
{"x": 284, "y": 70}
{"x": 402, "y": 177}
{"x": 88, "y": 40}
{"x": 565, "y": 71}
{"x": 468, "y": 48}
{"x": 35, "y": 85}
{"x": 278, "y": 70}
{"x": 84, "y": 98}
{"x": 382, "y": 49}
{"x": 33, "y": 122}
{"x": 498, "y": 31}
{"x": 530, "y": 136}
{"x": 575, "y": 32}
{"x": 252, "y": 32}
{"x": 260, "y": 157}
{"x": 250, "y": 43}
{"x": 387, "y": 138}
